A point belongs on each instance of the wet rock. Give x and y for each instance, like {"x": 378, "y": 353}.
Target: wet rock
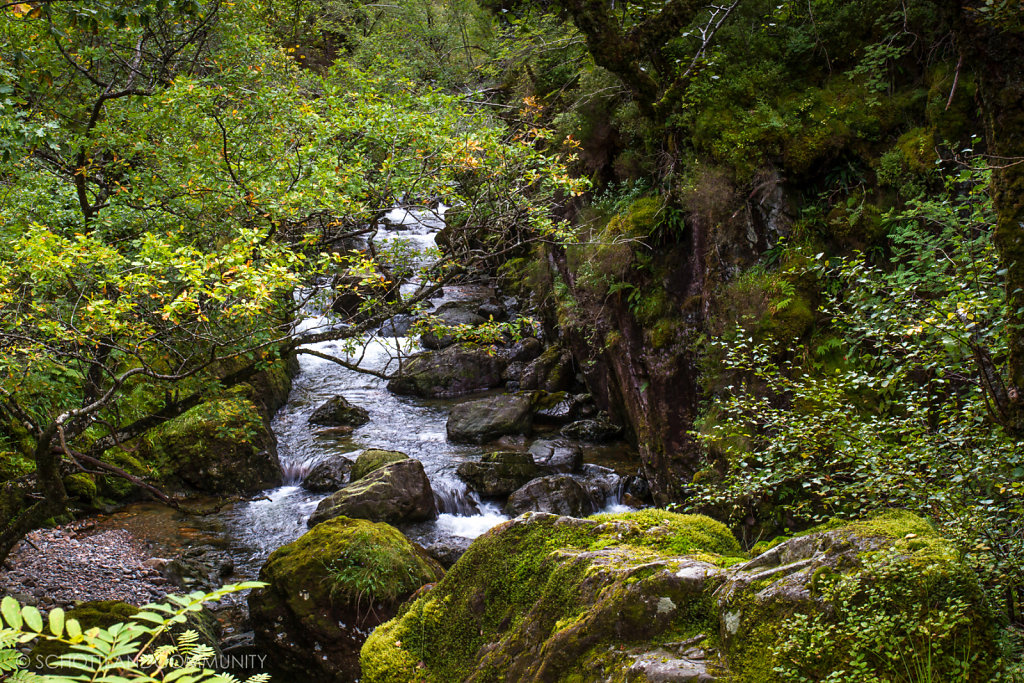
{"x": 328, "y": 475}
{"x": 570, "y": 409}
{"x": 328, "y": 590}
{"x": 525, "y": 350}
{"x": 597, "y": 429}
{"x": 602, "y": 483}
{"x": 199, "y": 569}
{"x": 637, "y": 488}
{"x": 552, "y": 371}
{"x": 338, "y": 412}
{"x": 395, "y": 493}
{"x": 513, "y": 371}
{"x": 373, "y": 459}
{"x": 451, "y": 314}
{"x": 397, "y": 326}
{"x": 492, "y": 310}
{"x": 447, "y": 551}
{"x": 665, "y": 667}
{"x": 557, "y": 455}
{"x": 498, "y": 474}
{"x": 335, "y": 432}
{"x": 454, "y": 371}
{"x": 489, "y": 418}
{"x": 557, "y": 494}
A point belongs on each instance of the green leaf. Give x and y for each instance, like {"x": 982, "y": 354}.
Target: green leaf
{"x": 56, "y": 618}
{"x": 32, "y": 617}
{"x": 11, "y": 611}
{"x": 74, "y": 629}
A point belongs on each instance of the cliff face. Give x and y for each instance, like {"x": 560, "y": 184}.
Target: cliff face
{"x": 636, "y": 309}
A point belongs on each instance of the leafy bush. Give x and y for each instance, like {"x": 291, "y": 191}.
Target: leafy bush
{"x": 892, "y": 620}
{"x": 891, "y": 408}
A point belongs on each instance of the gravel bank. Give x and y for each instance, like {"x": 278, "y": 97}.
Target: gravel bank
{"x": 63, "y": 566}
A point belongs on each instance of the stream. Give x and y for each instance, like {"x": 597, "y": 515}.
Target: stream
{"x": 248, "y": 532}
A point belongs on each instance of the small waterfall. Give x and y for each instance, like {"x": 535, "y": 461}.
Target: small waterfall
{"x": 295, "y": 472}
{"x": 454, "y": 499}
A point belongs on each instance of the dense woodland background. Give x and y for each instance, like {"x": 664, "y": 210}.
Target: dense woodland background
{"x": 783, "y": 241}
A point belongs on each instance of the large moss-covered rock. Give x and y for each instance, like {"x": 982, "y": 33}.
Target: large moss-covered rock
{"x": 498, "y": 474}
{"x": 453, "y": 371}
{"x": 395, "y": 493}
{"x": 547, "y": 598}
{"x": 878, "y": 597}
{"x": 373, "y": 459}
{"x": 487, "y": 419}
{"x": 328, "y": 589}
{"x": 654, "y": 596}
{"x": 223, "y": 446}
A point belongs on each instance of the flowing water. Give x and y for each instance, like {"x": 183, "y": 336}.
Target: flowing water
{"x": 250, "y": 531}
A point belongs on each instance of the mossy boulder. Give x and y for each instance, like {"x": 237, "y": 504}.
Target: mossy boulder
{"x": 373, "y": 459}
{"x": 223, "y": 446}
{"x": 487, "y": 419}
{"x": 498, "y": 474}
{"x": 395, "y": 493}
{"x": 552, "y": 371}
{"x": 881, "y": 596}
{"x": 338, "y": 412}
{"x": 454, "y": 371}
{"x": 652, "y": 595}
{"x": 556, "y": 598}
{"x": 81, "y": 488}
{"x": 328, "y": 589}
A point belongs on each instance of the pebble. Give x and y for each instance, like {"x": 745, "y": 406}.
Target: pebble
{"x": 64, "y": 566}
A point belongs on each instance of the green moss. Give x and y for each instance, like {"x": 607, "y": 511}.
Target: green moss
{"x": 14, "y": 464}
{"x": 349, "y": 562}
{"x": 674, "y": 533}
{"x": 374, "y": 459}
{"x": 216, "y": 446}
{"x": 528, "y": 579}
{"x": 664, "y": 332}
{"x": 81, "y": 487}
{"x": 640, "y": 219}
{"x": 118, "y": 488}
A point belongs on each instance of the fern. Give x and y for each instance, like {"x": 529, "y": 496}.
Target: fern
{"x": 124, "y": 652}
